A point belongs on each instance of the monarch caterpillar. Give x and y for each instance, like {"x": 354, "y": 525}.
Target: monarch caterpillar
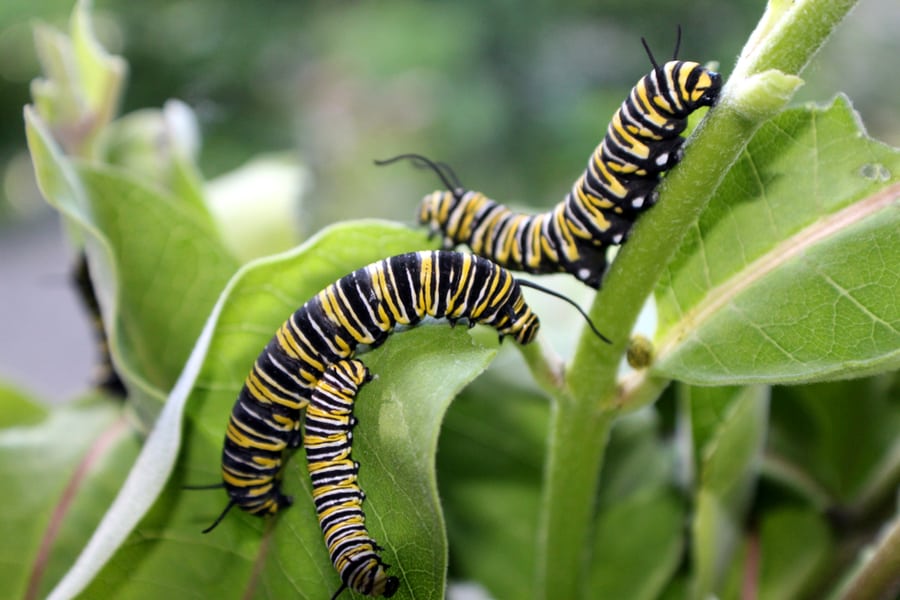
{"x": 337, "y": 496}
{"x": 106, "y": 376}
{"x": 642, "y": 141}
{"x": 363, "y": 307}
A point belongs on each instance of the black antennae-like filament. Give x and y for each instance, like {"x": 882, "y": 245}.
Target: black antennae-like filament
{"x": 677, "y": 43}
{"x": 442, "y": 170}
{"x": 650, "y": 54}
{"x": 211, "y": 486}
{"x": 674, "y": 53}
{"x": 540, "y": 288}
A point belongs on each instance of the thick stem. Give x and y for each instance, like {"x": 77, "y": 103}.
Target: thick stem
{"x": 577, "y": 443}
{"x": 879, "y": 576}
{"x": 584, "y": 413}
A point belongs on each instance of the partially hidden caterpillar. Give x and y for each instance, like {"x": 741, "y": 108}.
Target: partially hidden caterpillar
{"x": 642, "y": 141}
{"x": 336, "y": 493}
{"x": 106, "y": 377}
{"x": 363, "y": 307}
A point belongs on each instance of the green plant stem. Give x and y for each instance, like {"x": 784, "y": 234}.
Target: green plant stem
{"x": 584, "y": 411}
{"x": 880, "y": 573}
{"x": 570, "y": 490}
{"x": 788, "y": 41}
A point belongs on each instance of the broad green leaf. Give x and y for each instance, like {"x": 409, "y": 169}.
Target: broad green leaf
{"x": 707, "y": 409}
{"x": 728, "y": 473}
{"x": 157, "y": 264}
{"x": 816, "y": 429}
{"x": 795, "y": 545}
{"x": 160, "y": 146}
{"x": 63, "y": 470}
{"x": 791, "y": 273}
{"x": 419, "y": 372}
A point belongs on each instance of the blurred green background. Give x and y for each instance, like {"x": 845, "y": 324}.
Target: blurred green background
{"x": 514, "y": 95}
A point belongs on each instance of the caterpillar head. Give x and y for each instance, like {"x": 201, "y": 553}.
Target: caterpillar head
{"x": 695, "y": 84}
{"x": 522, "y": 323}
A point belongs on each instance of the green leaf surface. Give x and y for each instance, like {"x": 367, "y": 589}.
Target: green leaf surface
{"x": 637, "y": 462}
{"x": 795, "y": 545}
{"x": 62, "y": 469}
{"x": 160, "y": 147}
{"x": 157, "y": 264}
{"x": 792, "y": 272}
{"x": 419, "y": 372}
{"x": 728, "y": 473}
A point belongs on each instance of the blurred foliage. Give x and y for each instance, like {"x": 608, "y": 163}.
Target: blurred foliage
{"x": 488, "y": 88}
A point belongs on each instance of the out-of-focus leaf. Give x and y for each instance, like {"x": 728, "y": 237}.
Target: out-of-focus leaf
{"x": 80, "y": 93}
{"x": 489, "y": 466}
{"x": 728, "y": 472}
{"x": 638, "y": 509}
{"x": 816, "y": 429}
{"x": 63, "y": 469}
{"x": 17, "y": 408}
{"x": 791, "y": 273}
{"x": 636, "y": 461}
{"x": 159, "y": 146}
{"x": 399, "y": 414}
{"x": 638, "y": 545}
{"x": 257, "y": 207}
{"x": 490, "y": 474}
{"x": 791, "y": 547}
{"x": 157, "y": 264}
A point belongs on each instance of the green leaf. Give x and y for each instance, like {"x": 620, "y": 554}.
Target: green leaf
{"x": 790, "y": 549}
{"x": 160, "y": 147}
{"x": 157, "y": 264}
{"x": 489, "y": 466}
{"x": 790, "y": 274}
{"x": 728, "y": 474}
{"x": 17, "y": 408}
{"x": 257, "y": 207}
{"x": 83, "y": 83}
{"x": 419, "y": 372}
{"x": 63, "y": 469}
{"x": 637, "y": 461}
{"x": 795, "y": 545}
{"x": 638, "y": 546}
{"x": 639, "y": 509}
{"x": 816, "y": 429}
